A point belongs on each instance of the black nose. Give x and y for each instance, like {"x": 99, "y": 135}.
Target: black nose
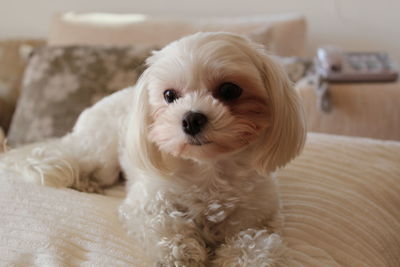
{"x": 193, "y": 122}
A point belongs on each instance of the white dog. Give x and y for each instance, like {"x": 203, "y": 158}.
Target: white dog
{"x": 198, "y": 139}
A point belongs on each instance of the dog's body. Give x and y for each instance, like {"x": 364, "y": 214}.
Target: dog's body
{"x": 198, "y": 139}
{"x": 85, "y": 159}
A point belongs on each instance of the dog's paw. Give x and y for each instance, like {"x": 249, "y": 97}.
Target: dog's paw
{"x": 42, "y": 165}
{"x": 44, "y": 173}
{"x": 88, "y": 186}
{"x": 182, "y": 252}
{"x": 252, "y": 247}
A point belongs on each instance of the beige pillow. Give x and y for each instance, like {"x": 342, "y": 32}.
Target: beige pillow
{"x": 282, "y": 34}
{"x": 340, "y": 201}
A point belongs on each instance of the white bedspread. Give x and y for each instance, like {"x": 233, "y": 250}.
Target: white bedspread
{"x": 341, "y": 201}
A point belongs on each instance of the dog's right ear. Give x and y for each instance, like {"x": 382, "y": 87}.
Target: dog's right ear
{"x": 143, "y": 154}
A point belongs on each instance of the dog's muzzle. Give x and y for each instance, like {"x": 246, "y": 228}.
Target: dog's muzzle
{"x": 193, "y": 122}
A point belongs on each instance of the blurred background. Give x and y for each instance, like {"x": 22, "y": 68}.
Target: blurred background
{"x": 351, "y": 24}
{"x": 59, "y": 57}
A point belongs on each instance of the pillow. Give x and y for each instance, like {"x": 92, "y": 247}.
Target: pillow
{"x": 340, "y": 202}
{"x": 12, "y": 65}
{"x": 282, "y": 34}
{"x": 60, "y": 82}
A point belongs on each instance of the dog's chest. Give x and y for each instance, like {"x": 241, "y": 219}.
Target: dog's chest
{"x": 225, "y": 202}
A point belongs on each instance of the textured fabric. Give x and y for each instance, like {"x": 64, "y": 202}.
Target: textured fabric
{"x": 42, "y": 226}
{"x": 359, "y": 109}
{"x": 283, "y": 35}
{"x": 12, "y": 65}
{"x": 340, "y": 201}
{"x": 60, "y": 82}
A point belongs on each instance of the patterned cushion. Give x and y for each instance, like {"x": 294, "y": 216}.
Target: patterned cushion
{"x": 60, "y": 82}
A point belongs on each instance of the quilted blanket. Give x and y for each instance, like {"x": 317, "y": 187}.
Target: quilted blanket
{"x": 341, "y": 201}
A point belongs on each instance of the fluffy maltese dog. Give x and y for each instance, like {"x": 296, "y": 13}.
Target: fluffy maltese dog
{"x": 198, "y": 139}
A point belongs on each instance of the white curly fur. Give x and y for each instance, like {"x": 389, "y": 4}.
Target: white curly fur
{"x": 213, "y": 204}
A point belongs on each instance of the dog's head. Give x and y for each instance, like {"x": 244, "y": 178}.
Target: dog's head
{"x": 209, "y": 96}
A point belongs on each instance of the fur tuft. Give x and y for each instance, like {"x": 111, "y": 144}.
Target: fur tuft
{"x": 252, "y": 248}
{"x": 47, "y": 164}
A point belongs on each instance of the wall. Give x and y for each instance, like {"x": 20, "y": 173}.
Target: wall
{"x": 352, "y": 24}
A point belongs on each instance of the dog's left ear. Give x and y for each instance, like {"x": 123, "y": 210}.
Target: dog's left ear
{"x": 140, "y": 151}
{"x": 284, "y": 138}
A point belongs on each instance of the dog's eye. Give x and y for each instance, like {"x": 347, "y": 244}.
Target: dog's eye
{"x": 229, "y": 91}
{"x": 170, "y": 95}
